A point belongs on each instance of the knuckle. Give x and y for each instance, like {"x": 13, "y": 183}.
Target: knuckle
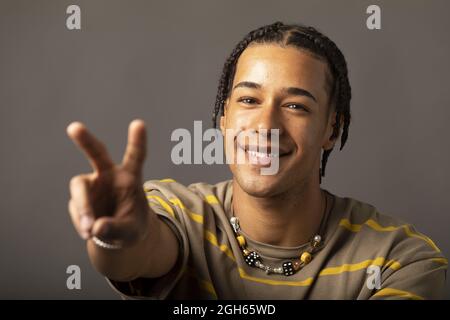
{"x": 75, "y": 181}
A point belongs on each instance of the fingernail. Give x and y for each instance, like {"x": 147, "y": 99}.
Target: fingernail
{"x": 86, "y": 223}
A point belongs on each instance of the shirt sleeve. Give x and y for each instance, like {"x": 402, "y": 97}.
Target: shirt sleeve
{"x": 418, "y": 273}
{"x": 158, "y": 288}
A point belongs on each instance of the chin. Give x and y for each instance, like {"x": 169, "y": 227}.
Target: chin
{"x": 258, "y": 185}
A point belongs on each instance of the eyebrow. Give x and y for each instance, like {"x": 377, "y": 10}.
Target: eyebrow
{"x": 290, "y": 90}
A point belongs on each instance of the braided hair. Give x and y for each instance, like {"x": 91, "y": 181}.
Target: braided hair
{"x": 302, "y": 37}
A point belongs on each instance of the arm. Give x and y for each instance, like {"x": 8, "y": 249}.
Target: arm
{"x": 110, "y": 204}
{"x": 420, "y": 280}
{"x": 152, "y": 257}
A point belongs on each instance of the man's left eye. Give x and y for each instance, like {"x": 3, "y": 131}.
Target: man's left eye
{"x": 297, "y": 106}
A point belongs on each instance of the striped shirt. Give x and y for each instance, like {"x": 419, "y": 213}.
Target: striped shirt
{"x": 360, "y": 243}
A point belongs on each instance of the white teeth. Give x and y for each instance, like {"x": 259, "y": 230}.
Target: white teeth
{"x": 262, "y": 155}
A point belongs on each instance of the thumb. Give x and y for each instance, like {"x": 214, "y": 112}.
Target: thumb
{"x": 123, "y": 231}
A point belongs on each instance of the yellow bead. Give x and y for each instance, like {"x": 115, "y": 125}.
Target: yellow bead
{"x": 305, "y": 257}
{"x": 246, "y": 252}
{"x": 241, "y": 240}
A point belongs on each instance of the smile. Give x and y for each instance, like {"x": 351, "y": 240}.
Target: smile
{"x": 262, "y": 155}
{"x": 262, "y": 158}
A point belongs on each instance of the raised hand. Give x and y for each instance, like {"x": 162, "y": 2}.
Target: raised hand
{"x": 110, "y": 203}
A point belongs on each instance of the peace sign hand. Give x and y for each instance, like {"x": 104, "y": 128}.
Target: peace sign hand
{"x": 110, "y": 203}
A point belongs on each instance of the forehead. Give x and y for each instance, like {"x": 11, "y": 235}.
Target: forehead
{"x": 273, "y": 66}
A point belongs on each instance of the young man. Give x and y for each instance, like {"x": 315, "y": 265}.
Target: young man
{"x": 277, "y": 236}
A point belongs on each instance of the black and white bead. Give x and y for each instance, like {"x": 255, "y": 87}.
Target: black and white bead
{"x": 288, "y": 268}
{"x": 252, "y": 258}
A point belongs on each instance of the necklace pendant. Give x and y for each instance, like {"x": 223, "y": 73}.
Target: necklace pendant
{"x": 252, "y": 258}
{"x": 288, "y": 268}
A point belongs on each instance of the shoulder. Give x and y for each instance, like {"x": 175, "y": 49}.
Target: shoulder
{"x": 368, "y": 222}
{"x": 196, "y": 191}
{"x": 411, "y": 262}
{"x": 196, "y": 199}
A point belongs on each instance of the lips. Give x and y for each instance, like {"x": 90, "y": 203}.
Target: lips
{"x": 263, "y": 158}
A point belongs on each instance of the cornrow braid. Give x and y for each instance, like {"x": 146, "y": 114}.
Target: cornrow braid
{"x": 315, "y": 42}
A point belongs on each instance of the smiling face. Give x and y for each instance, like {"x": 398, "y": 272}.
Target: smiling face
{"x": 282, "y": 88}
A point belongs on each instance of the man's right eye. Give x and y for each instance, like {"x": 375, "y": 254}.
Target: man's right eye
{"x": 247, "y": 100}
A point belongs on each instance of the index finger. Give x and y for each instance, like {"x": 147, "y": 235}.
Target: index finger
{"x": 95, "y": 150}
{"x": 135, "y": 152}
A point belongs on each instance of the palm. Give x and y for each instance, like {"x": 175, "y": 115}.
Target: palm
{"x": 112, "y": 195}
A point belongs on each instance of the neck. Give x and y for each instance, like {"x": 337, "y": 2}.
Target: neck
{"x": 289, "y": 219}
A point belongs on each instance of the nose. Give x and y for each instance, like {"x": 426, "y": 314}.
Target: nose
{"x": 269, "y": 118}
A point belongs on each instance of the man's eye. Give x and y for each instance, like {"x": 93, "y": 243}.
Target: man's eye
{"x": 247, "y": 100}
{"x": 296, "y": 106}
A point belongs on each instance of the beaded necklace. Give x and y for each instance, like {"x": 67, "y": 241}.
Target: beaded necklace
{"x": 289, "y": 267}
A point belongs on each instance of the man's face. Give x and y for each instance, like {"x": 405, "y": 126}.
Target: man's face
{"x": 285, "y": 89}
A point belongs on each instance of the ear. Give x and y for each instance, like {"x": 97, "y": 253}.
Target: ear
{"x": 330, "y": 141}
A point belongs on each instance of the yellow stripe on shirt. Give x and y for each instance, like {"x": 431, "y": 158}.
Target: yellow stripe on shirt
{"x": 358, "y": 266}
{"x": 377, "y": 227}
{"x": 211, "y": 237}
{"x": 440, "y": 260}
{"x": 392, "y": 264}
{"x": 391, "y": 292}
{"x": 194, "y": 216}
{"x": 301, "y": 283}
{"x": 177, "y": 202}
{"x": 332, "y": 271}
{"x": 163, "y": 204}
{"x": 212, "y": 199}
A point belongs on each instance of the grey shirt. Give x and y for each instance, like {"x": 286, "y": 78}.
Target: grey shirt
{"x": 359, "y": 244}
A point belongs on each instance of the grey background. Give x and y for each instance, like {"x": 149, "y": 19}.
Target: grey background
{"x": 160, "y": 61}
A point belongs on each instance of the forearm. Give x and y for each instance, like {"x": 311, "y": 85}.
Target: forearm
{"x": 150, "y": 257}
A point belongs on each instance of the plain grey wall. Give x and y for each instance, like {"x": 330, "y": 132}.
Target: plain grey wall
{"x": 160, "y": 61}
